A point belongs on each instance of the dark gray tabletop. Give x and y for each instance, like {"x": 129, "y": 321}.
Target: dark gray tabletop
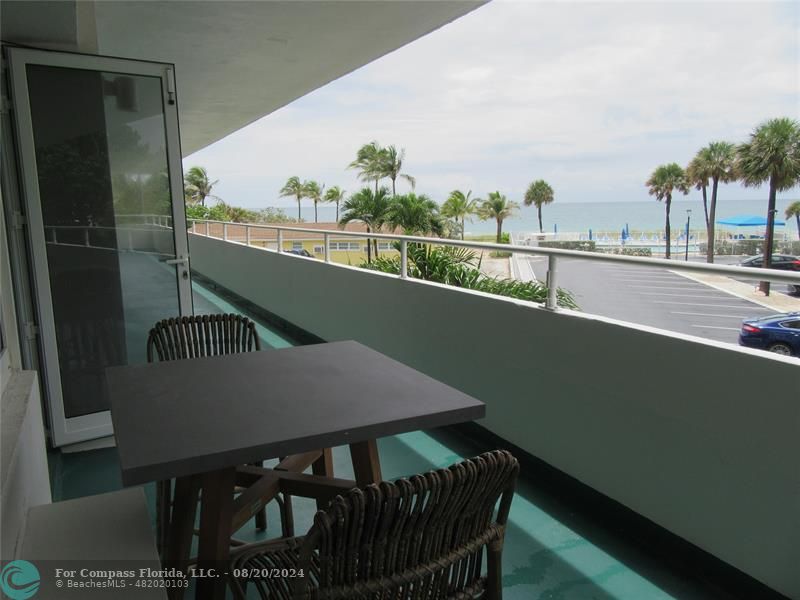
{"x": 192, "y": 416}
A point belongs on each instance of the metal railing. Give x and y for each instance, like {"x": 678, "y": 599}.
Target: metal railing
{"x": 553, "y": 254}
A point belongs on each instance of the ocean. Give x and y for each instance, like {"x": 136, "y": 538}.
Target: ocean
{"x": 600, "y": 216}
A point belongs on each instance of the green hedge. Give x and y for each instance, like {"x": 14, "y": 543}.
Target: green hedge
{"x": 629, "y": 251}
{"x": 588, "y": 246}
{"x": 751, "y": 247}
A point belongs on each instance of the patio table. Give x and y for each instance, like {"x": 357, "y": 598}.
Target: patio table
{"x": 198, "y": 420}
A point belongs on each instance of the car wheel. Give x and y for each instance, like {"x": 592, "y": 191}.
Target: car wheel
{"x": 782, "y": 349}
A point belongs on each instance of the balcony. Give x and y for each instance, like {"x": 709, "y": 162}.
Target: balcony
{"x": 655, "y": 464}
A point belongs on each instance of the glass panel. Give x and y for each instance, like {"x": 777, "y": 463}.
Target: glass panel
{"x": 104, "y": 189}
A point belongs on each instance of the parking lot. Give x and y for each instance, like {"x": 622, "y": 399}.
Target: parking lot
{"x": 655, "y": 297}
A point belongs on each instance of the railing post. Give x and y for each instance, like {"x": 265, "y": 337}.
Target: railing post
{"x": 327, "y": 248}
{"x": 86, "y": 237}
{"x": 280, "y": 240}
{"x": 130, "y": 240}
{"x": 225, "y": 231}
{"x": 55, "y": 235}
{"x": 403, "y": 259}
{"x": 207, "y": 229}
{"x": 247, "y": 234}
{"x": 552, "y": 287}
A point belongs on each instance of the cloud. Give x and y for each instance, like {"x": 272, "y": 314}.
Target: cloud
{"x": 589, "y": 96}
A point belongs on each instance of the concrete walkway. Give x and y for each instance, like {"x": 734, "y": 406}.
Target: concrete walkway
{"x": 777, "y": 300}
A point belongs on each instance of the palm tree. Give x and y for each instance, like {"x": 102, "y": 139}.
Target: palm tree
{"x": 773, "y": 155}
{"x": 499, "y": 208}
{"x": 312, "y": 190}
{"x": 369, "y": 162}
{"x": 415, "y": 215}
{"x": 197, "y": 186}
{"x": 697, "y": 175}
{"x": 335, "y": 194}
{"x": 460, "y": 206}
{"x": 369, "y": 208}
{"x": 294, "y": 187}
{"x": 392, "y": 164}
{"x": 664, "y": 181}
{"x": 539, "y": 193}
{"x": 719, "y": 159}
{"x": 793, "y": 210}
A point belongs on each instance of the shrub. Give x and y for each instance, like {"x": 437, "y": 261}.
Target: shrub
{"x": 631, "y": 251}
{"x": 460, "y": 267}
{"x": 586, "y": 245}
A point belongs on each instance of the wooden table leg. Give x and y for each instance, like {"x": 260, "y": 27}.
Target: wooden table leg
{"x": 323, "y": 466}
{"x": 366, "y": 462}
{"x": 181, "y": 528}
{"x": 216, "y": 512}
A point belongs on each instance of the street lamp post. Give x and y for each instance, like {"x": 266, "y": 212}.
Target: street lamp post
{"x": 688, "y": 221}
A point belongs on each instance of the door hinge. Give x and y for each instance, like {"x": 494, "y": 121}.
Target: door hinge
{"x": 18, "y": 220}
{"x": 30, "y": 330}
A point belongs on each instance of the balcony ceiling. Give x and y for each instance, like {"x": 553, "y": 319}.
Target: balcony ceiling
{"x": 235, "y": 61}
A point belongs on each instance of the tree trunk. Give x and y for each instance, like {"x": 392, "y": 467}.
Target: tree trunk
{"x": 298, "y": 209}
{"x": 767, "y": 262}
{"x": 375, "y": 245}
{"x": 462, "y": 227}
{"x": 797, "y": 218}
{"x": 337, "y": 211}
{"x": 539, "y": 209}
{"x": 394, "y": 193}
{"x": 369, "y": 247}
{"x": 315, "y": 212}
{"x": 499, "y": 230}
{"x": 705, "y": 205}
{"x": 710, "y": 220}
{"x": 667, "y": 231}
{"x": 376, "y": 187}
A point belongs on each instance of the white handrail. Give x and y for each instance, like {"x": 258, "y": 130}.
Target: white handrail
{"x": 740, "y": 272}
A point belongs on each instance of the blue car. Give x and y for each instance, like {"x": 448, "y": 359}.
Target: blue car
{"x": 777, "y": 333}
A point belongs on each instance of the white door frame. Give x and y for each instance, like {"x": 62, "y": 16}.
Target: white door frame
{"x": 76, "y": 429}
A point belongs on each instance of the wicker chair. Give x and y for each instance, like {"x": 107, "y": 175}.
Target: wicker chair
{"x": 194, "y": 337}
{"x": 416, "y": 538}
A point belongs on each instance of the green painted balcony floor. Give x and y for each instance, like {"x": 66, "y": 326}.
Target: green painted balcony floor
{"x": 551, "y": 550}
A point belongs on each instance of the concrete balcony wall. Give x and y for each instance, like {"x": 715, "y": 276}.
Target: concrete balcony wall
{"x": 703, "y": 440}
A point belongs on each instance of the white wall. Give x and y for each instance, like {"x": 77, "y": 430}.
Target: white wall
{"x": 25, "y": 477}
{"x": 703, "y": 440}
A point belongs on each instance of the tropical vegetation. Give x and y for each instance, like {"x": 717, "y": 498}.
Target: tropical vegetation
{"x": 793, "y": 210}
{"x": 313, "y": 191}
{"x": 296, "y": 189}
{"x": 460, "y": 267}
{"x": 375, "y": 162}
{"x": 197, "y": 186}
{"x": 414, "y": 215}
{"x": 714, "y": 163}
{"x": 335, "y": 194}
{"x": 772, "y": 156}
{"x": 663, "y": 183}
{"x": 497, "y": 207}
{"x": 539, "y": 193}
{"x": 369, "y": 208}
{"x": 460, "y": 206}
{"x": 235, "y": 214}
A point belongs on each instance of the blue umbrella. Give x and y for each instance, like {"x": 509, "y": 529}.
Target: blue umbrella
{"x": 748, "y": 221}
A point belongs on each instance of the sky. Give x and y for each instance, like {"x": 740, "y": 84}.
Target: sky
{"x": 590, "y": 96}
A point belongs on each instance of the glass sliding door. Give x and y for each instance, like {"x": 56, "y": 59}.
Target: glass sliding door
{"x": 98, "y": 146}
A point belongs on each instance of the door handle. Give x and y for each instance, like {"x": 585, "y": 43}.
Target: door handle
{"x": 177, "y": 261}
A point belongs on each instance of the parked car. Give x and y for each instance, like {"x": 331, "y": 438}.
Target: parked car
{"x": 776, "y": 333}
{"x": 785, "y": 262}
{"x": 301, "y": 252}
